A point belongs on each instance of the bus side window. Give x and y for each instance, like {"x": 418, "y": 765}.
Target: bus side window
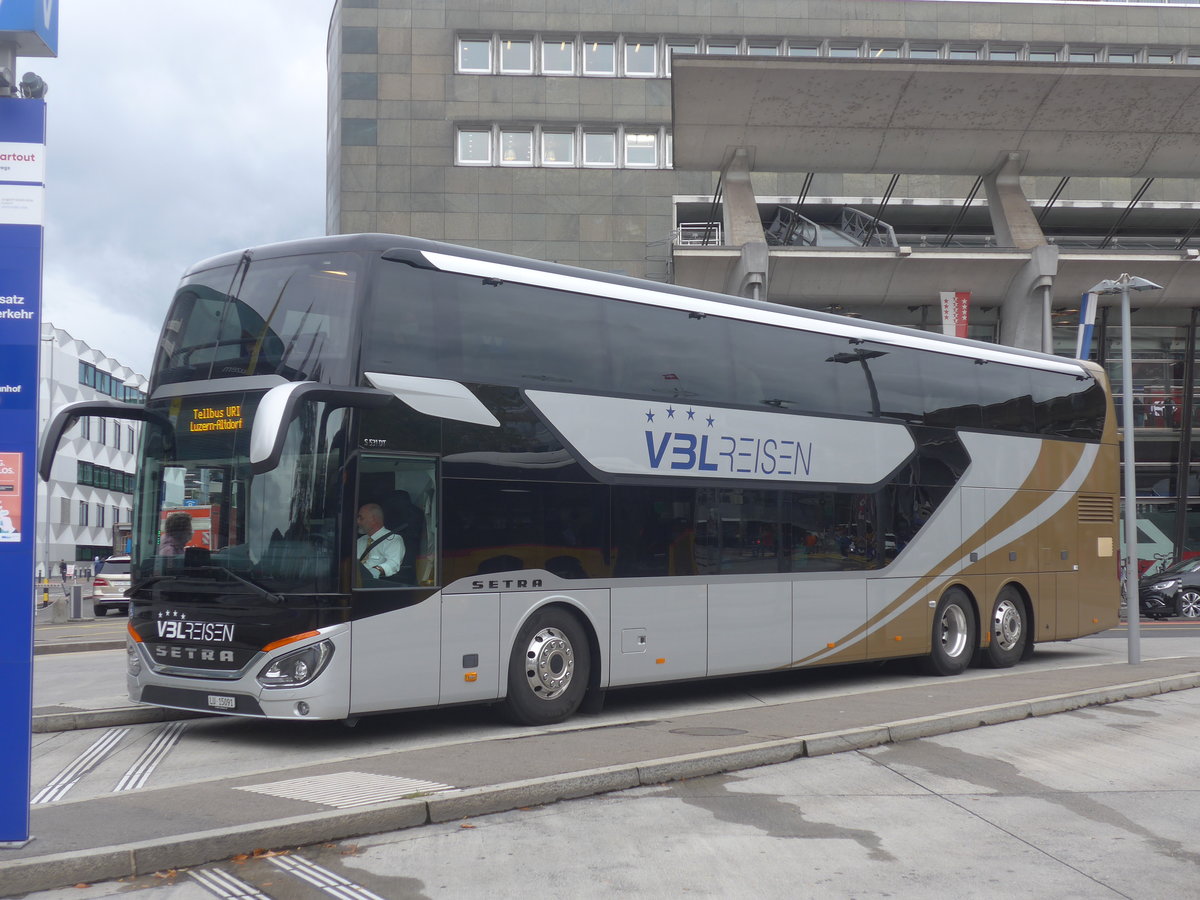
{"x": 403, "y": 490}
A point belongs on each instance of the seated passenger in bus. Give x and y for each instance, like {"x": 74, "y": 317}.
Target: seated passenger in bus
{"x": 380, "y": 552}
{"x": 176, "y": 533}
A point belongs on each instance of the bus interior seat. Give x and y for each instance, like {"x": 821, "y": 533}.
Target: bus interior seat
{"x": 405, "y": 518}
{"x": 503, "y": 563}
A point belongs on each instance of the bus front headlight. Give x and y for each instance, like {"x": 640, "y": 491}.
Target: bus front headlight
{"x": 297, "y": 668}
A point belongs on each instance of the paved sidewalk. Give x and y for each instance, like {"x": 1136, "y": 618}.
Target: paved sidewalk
{"x": 190, "y": 825}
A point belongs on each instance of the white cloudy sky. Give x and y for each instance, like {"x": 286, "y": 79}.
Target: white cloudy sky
{"x": 177, "y": 129}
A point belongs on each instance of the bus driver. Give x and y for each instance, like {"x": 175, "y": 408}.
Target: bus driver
{"x": 380, "y": 551}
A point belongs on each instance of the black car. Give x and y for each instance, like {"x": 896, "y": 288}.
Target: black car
{"x": 1174, "y": 591}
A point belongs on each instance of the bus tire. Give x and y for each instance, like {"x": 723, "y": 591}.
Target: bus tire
{"x": 953, "y": 640}
{"x": 1009, "y": 627}
{"x": 548, "y": 670}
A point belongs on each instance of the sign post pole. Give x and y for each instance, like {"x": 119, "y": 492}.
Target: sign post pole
{"x": 22, "y": 182}
{"x": 27, "y": 28}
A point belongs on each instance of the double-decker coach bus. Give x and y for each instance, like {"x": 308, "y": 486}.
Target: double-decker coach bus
{"x": 590, "y": 482}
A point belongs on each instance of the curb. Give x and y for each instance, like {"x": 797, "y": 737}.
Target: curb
{"x": 76, "y": 647}
{"x": 198, "y": 848}
{"x": 108, "y": 718}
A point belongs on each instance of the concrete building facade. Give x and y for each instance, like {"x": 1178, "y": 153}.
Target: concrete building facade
{"x": 591, "y": 138}
{"x": 85, "y": 511}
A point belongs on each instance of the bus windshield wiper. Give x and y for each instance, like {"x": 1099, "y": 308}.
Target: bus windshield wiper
{"x": 146, "y": 582}
{"x": 258, "y": 589}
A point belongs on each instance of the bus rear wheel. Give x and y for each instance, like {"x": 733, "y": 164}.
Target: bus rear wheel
{"x": 1009, "y": 627}
{"x": 953, "y": 642}
{"x": 548, "y": 669}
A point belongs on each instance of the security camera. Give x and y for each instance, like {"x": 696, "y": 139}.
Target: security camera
{"x": 33, "y": 87}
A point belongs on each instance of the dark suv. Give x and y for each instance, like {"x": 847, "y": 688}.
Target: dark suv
{"x": 1174, "y": 591}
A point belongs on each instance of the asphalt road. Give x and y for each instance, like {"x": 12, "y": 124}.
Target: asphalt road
{"x": 1097, "y": 802}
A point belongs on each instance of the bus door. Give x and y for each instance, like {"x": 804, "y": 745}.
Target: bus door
{"x": 396, "y": 630}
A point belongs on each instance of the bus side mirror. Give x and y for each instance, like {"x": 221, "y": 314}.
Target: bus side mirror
{"x": 279, "y": 406}
{"x": 68, "y": 415}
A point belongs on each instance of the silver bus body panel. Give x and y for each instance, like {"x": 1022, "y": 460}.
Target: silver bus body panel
{"x": 327, "y": 696}
{"x": 397, "y": 658}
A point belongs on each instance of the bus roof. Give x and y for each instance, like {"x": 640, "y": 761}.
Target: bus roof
{"x": 505, "y": 267}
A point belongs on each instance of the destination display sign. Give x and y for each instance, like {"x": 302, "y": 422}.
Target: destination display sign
{"x": 216, "y": 418}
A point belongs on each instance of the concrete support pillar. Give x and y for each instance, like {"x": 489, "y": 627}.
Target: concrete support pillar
{"x": 1013, "y": 220}
{"x": 1025, "y": 313}
{"x": 1023, "y": 322}
{"x": 743, "y": 228}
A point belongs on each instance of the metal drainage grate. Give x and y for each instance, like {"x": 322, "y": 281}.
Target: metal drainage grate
{"x": 346, "y": 790}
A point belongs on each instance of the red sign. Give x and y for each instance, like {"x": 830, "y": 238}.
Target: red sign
{"x": 10, "y": 497}
{"x": 955, "y": 308}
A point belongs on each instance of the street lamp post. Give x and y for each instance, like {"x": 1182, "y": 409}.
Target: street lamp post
{"x": 1123, "y": 285}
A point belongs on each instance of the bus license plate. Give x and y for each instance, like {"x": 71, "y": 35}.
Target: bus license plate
{"x": 216, "y": 701}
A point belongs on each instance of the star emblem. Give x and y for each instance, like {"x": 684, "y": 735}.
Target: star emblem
{"x": 649, "y": 416}
{"x": 711, "y": 421}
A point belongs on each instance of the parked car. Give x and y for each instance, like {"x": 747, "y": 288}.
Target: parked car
{"x": 109, "y": 585}
{"x": 1174, "y": 591}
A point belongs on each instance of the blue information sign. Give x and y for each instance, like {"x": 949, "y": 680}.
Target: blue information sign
{"x": 30, "y": 24}
{"x": 22, "y": 178}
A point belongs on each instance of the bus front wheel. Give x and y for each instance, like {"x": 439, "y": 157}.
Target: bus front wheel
{"x": 953, "y": 642}
{"x": 1009, "y": 630}
{"x": 548, "y": 670}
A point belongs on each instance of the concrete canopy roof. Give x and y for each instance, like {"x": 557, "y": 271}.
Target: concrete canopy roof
{"x": 945, "y": 117}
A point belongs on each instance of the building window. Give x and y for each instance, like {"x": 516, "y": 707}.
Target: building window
{"x": 357, "y": 132}
{"x": 964, "y": 53}
{"x": 884, "y": 52}
{"x": 600, "y": 58}
{"x": 99, "y": 515}
{"x": 83, "y": 512}
{"x": 516, "y": 57}
{"x": 924, "y": 52}
{"x": 1043, "y": 56}
{"x": 599, "y": 148}
{"x": 116, "y": 515}
{"x": 129, "y": 434}
{"x": 474, "y": 55}
{"x": 516, "y": 148}
{"x": 721, "y": 48}
{"x": 102, "y": 430}
{"x": 804, "y": 50}
{"x": 357, "y": 39}
{"x": 1161, "y": 59}
{"x": 844, "y": 51}
{"x": 558, "y": 148}
{"x": 641, "y": 58}
{"x": 558, "y": 57}
{"x": 674, "y": 47}
{"x": 475, "y": 147}
{"x": 763, "y": 50}
{"x": 360, "y": 86}
{"x": 641, "y": 150}
{"x": 85, "y": 428}
{"x": 1082, "y": 56}
{"x": 555, "y": 146}
{"x": 1003, "y": 55}
{"x": 1122, "y": 56}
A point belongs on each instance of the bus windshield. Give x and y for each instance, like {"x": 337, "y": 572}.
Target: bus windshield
{"x": 288, "y": 316}
{"x": 204, "y": 516}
